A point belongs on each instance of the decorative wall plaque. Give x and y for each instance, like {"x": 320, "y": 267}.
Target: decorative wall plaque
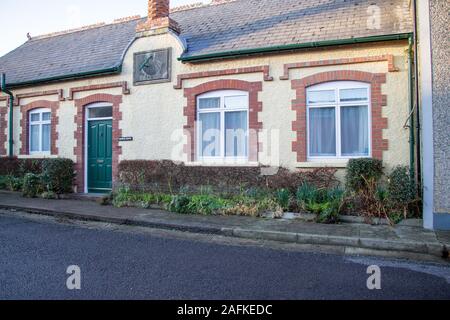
{"x": 152, "y": 66}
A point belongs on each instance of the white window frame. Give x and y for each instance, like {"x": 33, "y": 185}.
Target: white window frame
{"x": 222, "y": 94}
{"x": 86, "y": 129}
{"x": 40, "y": 123}
{"x": 337, "y": 86}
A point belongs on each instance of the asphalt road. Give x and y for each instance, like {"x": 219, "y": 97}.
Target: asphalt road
{"x": 130, "y": 263}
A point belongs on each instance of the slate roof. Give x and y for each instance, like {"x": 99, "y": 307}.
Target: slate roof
{"x": 208, "y": 30}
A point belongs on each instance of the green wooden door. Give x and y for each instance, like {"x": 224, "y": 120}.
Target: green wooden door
{"x": 99, "y": 156}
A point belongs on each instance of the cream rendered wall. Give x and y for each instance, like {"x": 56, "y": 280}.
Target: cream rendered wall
{"x": 153, "y": 114}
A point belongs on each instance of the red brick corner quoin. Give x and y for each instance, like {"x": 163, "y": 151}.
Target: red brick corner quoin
{"x": 255, "y": 106}
{"x": 3, "y": 126}
{"x": 80, "y": 118}
{"x": 378, "y": 101}
{"x": 24, "y": 124}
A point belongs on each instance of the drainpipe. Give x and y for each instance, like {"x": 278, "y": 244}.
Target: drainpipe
{"x": 416, "y": 100}
{"x": 11, "y": 112}
{"x": 411, "y": 108}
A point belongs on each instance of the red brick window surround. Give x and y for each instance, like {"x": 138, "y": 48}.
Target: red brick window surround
{"x": 255, "y": 106}
{"x": 378, "y": 100}
{"x": 3, "y": 126}
{"x": 25, "y": 124}
{"x": 79, "y": 134}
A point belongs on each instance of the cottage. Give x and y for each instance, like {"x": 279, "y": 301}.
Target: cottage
{"x": 298, "y": 84}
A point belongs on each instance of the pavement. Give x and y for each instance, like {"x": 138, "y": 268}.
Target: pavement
{"x": 403, "y": 241}
{"x": 123, "y": 262}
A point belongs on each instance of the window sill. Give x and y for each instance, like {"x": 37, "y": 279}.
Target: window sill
{"x": 220, "y": 163}
{"x": 324, "y": 164}
{"x": 37, "y": 155}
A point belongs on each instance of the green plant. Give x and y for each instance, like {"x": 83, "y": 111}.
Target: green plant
{"x": 306, "y": 195}
{"x": 58, "y": 175}
{"x": 13, "y": 183}
{"x": 330, "y": 212}
{"x": 32, "y": 185}
{"x": 401, "y": 191}
{"x": 246, "y": 206}
{"x": 3, "y": 182}
{"x": 121, "y": 197}
{"x": 180, "y": 204}
{"x": 360, "y": 172}
{"x": 206, "y": 205}
{"x": 335, "y": 194}
{"x": 283, "y": 198}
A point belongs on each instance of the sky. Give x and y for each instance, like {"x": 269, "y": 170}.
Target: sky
{"x": 18, "y": 17}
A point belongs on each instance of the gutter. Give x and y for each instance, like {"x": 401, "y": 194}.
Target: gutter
{"x": 273, "y": 49}
{"x": 11, "y": 113}
{"x": 101, "y": 72}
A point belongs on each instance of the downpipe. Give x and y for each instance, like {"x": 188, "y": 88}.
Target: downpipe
{"x": 411, "y": 97}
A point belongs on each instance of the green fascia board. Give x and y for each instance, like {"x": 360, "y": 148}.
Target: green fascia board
{"x": 75, "y": 76}
{"x": 273, "y": 49}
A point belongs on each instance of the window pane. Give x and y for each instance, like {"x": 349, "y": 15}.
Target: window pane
{"x": 236, "y": 102}
{"x": 46, "y": 137}
{"x": 321, "y": 96}
{"x": 46, "y": 116}
{"x": 101, "y": 112}
{"x": 209, "y": 103}
{"x": 34, "y": 138}
{"x": 355, "y": 131}
{"x": 236, "y": 134}
{"x": 35, "y": 117}
{"x": 210, "y": 129}
{"x": 349, "y": 95}
{"x": 322, "y": 132}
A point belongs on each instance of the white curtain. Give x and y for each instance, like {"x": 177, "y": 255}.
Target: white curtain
{"x": 34, "y": 138}
{"x": 209, "y": 103}
{"x": 46, "y": 137}
{"x": 236, "y": 134}
{"x": 355, "y": 131}
{"x": 210, "y": 129}
{"x": 322, "y": 132}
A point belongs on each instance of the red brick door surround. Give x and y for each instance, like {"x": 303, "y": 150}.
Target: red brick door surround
{"x": 79, "y": 134}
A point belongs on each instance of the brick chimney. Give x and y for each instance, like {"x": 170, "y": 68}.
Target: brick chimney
{"x": 158, "y": 19}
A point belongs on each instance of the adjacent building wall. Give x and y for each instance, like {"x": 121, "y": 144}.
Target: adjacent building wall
{"x": 435, "y": 98}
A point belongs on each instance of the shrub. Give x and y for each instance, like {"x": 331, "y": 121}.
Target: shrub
{"x": 13, "y": 183}
{"x": 32, "y": 185}
{"x": 30, "y": 166}
{"x": 401, "y": 191}
{"x": 58, "y": 175}
{"x": 167, "y": 176}
{"x": 9, "y": 166}
{"x": 3, "y": 182}
{"x": 360, "y": 172}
